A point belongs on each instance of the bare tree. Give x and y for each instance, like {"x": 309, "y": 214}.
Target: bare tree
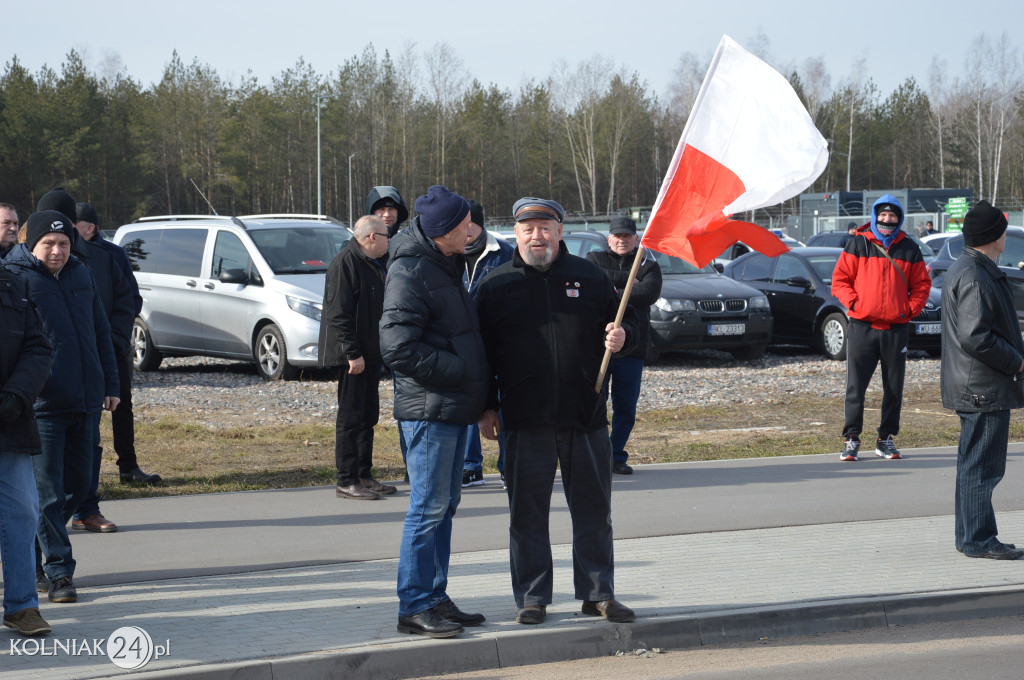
{"x": 447, "y": 76}
{"x": 579, "y": 100}
{"x": 816, "y": 82}
{"x": 1005, "y": 68}
{"x": 937, "y": 96}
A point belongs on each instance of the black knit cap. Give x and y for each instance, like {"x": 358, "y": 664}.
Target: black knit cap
{"x": 984, "y": 223}
{"x": 476, "y": 212}
{"x": 44, "y": 222}
{"x": 61, "y": 201}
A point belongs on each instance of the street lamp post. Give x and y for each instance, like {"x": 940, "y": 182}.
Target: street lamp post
{"x": 350, "y": 157}
{"x": 319, "y": 202}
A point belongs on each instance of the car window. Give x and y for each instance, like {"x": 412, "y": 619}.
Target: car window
{"x": 588, "y": 246}
{"x": 1014, "y": 253}
{"x": 140, "y": 247}
{"x": 299, "y": 250}
{"x": 955, "y": 246}
{"x": 789, "y": 267}
{"x": 229, "y": 253}
{"x": 824, "y": 266}
{"x": 926, "y": 249}
{"x": 181, "y": 252}
{"x": 758, "y": 268}
{"x": 675, "y": 265}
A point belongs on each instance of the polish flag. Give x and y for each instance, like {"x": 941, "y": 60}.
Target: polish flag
{"x": 749, "y": 143}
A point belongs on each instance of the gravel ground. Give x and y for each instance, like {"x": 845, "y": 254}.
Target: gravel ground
{"x": 219, "y": 393}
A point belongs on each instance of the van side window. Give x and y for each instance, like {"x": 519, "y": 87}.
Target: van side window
{"x": 141, "y": 247}
{"x": 181, "y": 252}
{"x": 229, "y": 253}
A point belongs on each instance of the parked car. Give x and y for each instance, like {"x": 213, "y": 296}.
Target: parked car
{"x": 1011, "y": 263}
{"x": 238, "y": 287}
{"x": 698, "y": 308}
{"x": 799, "y": 289}
{"x": 935, "y": 241}
{"x": 740, "y": 248}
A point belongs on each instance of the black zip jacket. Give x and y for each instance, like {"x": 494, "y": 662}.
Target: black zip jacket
{"x": 24, "y": 361}
{"x": 430, "y": 336}
{"x": 646, "y": 290}
{"x": 981, "y": 341}
{"x": 353, "y": 303}
{"x": 544, "y": 333}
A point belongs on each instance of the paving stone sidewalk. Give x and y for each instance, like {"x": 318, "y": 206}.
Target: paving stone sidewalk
{"x": 352, "y": 606}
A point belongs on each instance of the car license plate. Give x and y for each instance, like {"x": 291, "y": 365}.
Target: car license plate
{"x": 929, "y": 328}
{"x": 727, "y": 329}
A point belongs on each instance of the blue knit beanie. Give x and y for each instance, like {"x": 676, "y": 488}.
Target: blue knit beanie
{"x": 440, "y": 211}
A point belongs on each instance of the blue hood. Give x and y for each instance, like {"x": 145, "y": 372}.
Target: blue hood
{"x": 886, "y": 240}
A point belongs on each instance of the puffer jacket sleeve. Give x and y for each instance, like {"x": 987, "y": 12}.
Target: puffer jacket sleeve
{"x": 32, "y": 364}
{"x": 105, "y": 348}
{"x": 407, "y": 345}
{"x": 920, "y": 287}
{"x": 978, "y": 317}
{"x": 844, "y": 276}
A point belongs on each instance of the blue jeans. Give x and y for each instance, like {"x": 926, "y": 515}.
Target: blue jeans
{"x": 62, "y": 473}
{"x": 980, "y": 464}
{"x": 19, "y": 515}
{"x": 91, "y": 505}
{"x": 624, "y": 375}
{"x": 475, "y": 453}
{"x": 434, "y": 460}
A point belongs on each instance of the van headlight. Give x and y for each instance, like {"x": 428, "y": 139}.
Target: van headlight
{"x": 675, "y": 305}
{"x": 305, "y": 307}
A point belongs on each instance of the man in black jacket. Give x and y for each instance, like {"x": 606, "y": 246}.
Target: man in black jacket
{"x": 547, "y": 319}
{"x": 122, "y": 421}
{"x": 24, "y": 368}
{"x": 350, "y": 341}
{"x": 625, "y": 372}
{"x": 982, "y": 372}
{"x": 430, "y": 339}
{"x": 8, "y": 228}
{"x": 386, "y": 203}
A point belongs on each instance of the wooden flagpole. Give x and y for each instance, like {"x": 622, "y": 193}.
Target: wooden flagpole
{"x": 640, "y": 253}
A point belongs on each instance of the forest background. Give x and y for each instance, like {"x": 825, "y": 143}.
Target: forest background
{"x": 592, "y": 135}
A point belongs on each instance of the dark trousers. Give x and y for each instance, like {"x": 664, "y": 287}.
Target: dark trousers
{"x": 585, "y": 458}
{"x": 358, "y": 411}
{"x": 980, "y": 464}
{"x": 122, "y": 420}
{"x": 865, "y": 348}
{"x": 624, "y": 376}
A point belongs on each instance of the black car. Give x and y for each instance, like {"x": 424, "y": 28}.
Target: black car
{"x": 1011, "y": 263}
{"x": 698, "y": 308}
{"x": 799, "y": 289}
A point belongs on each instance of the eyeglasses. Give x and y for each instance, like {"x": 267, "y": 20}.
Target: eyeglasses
{"x": 385, "y": 235}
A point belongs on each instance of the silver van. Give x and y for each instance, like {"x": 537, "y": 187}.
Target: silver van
{"x": 247, "y": 287}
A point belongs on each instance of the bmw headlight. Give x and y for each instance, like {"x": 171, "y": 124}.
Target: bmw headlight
{"x": 667, "y": 305}
{"x": 305, "y": 307}
{"x": 759, "y": 302}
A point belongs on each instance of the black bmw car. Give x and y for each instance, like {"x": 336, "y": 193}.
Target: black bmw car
{"x": 798, "y": 285}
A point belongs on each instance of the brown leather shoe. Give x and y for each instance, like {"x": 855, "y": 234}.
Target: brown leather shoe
{"x": 532, "y": 614}
{"x": 356, "y": 492}
{"x": 383, "y": 489}
{"x": 611, "y": 610}
{"x": 97, "y": 523}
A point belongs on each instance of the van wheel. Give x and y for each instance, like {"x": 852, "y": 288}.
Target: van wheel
{"x": 145, "y": 357}
{"x": 832, "y": 336}
{"x": 272, "y": 355}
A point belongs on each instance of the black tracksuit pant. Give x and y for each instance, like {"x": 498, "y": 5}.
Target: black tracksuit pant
{"x": 866, "y": 347}
{"x": 358, "y": 412}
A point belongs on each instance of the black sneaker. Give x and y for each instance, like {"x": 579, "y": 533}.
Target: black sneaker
{"x": 472, "y": 478}
{"x": 886, "y": 448}
{"x": 850, "y": 449}
{"x": 42, "y": 583}
{"x": 63, "y": 590}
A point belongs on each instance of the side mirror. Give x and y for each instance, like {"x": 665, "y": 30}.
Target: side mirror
{"x": 234, "y": 276}
{"x": 719, "y": 267}
{"x": 799, "y": 282}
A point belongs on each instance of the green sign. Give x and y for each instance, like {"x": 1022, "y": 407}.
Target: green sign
{"x": 956, "y": 208}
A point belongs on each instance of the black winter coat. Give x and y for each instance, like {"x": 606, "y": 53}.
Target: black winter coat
{"x": 646, "y": 290}
{"x": 429, "y": 334}
{"x": 84, "y": 369}
{"x": 124, "y": 265}
{"x": 981, "y": 342}
{"x": 353, "y": 303}
{"x": 544, "y": 333}
{"x": 114, "y": 291}
{"x": 24, "y": 361}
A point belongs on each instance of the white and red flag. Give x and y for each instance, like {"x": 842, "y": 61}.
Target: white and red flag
{"x": 748, "y": 143}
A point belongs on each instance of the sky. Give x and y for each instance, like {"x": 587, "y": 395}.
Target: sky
{"x": 506, "y": 43}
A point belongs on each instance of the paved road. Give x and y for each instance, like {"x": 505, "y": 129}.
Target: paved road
{"x": 170, "y": 537}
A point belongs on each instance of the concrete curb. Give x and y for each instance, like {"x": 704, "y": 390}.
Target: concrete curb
{"x": 589, "y": 639}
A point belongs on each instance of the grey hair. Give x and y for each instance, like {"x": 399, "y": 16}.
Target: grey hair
{"x": 366, "y": 225}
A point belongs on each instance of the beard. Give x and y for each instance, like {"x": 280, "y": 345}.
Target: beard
{"x": 544, "y": 260}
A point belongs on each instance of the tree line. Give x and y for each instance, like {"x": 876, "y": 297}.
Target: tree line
{"x": 593, "y": 136}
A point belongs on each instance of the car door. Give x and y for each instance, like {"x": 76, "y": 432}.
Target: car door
{"x": 793, "y": 304}
{"x": 170, "y": 293}
{"x": 225, "y": 308}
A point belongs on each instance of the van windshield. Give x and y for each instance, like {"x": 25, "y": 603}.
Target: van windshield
{"x": 299, "y": 250}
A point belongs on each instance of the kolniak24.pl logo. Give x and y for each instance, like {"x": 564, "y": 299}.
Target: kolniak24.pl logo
{"x": 127, "y": 647}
